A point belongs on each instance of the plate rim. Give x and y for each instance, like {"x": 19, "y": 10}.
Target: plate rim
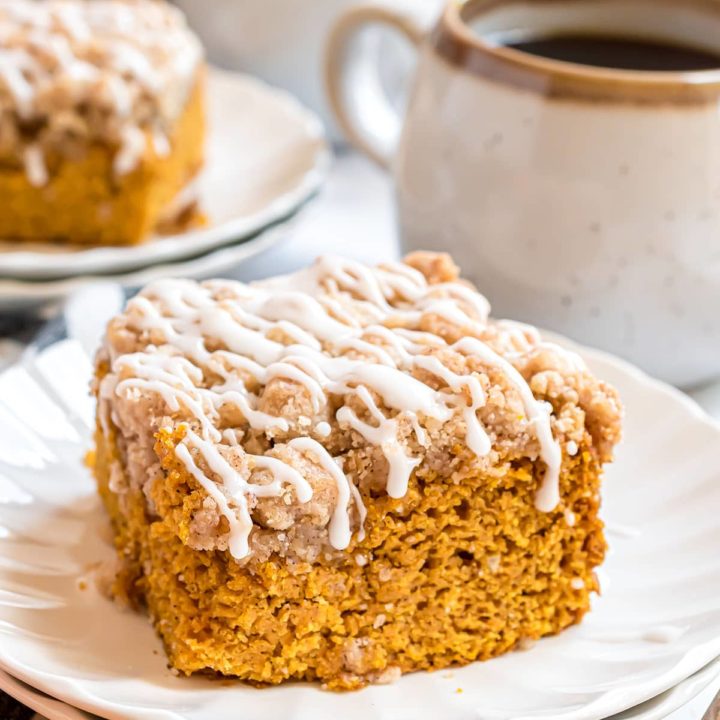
{"x": 18, "y": 294}
{"x": 39, "y": 701}
{"x": 707, "y": 675}
{"x": 33, "y": 265}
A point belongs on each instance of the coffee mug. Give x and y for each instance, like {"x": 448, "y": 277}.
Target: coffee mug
{"x": 580, "y": 198}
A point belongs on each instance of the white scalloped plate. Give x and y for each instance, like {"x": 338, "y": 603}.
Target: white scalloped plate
{"x": 658, "y": 708}
{"x": 266, "y": 156}
{"x": 657, "y": 623}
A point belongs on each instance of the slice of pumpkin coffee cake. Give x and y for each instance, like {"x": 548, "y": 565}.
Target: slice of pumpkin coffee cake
{"x": 347, "y": 473}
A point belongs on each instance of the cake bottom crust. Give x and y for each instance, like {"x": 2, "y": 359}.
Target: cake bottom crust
{"x": 84, "y": 203}
{"x": 451, "y": 573}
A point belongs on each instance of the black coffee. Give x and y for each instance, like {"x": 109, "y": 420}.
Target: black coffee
{"x": 619, "y": 52}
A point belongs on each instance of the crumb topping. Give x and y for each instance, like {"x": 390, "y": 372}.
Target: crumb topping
{"x": 291, "y": 393}
{"x": 74, "y": 72}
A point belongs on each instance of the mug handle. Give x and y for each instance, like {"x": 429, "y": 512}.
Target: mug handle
{"x": 361, "y": 107}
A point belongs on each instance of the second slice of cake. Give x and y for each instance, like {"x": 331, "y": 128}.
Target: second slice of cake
{"x": 348, "y": 473}
{"x": 101, "y": 120}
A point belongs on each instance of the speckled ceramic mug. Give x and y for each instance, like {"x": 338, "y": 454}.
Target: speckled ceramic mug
{"x": 582, "y": 199}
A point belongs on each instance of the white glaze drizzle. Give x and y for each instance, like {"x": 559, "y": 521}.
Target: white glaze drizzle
{"x": 236, "y": 487}
{"x": 385, "y": 436}
{"x": 339, "y": 528}
{"x": 548, "y": 495}
{"x": 477, "y": 439}
{"x": 239, "y": 528}
{"x": 56, "y": 55}
{"x": 35, "y": 168}
{"x": 307, "y": 309}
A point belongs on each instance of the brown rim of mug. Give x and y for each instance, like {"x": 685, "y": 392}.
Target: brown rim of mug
{"x": 455, "y": 41}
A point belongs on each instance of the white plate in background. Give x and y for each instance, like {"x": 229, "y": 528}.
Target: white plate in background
{"x": 17, "y": 295}
{"x": 267, "y": 156}
{"x": 657, "y": 623}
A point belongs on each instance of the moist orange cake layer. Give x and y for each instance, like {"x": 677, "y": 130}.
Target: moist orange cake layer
{"x": 101, "y": 119}
{"x": 292, "y": 500}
